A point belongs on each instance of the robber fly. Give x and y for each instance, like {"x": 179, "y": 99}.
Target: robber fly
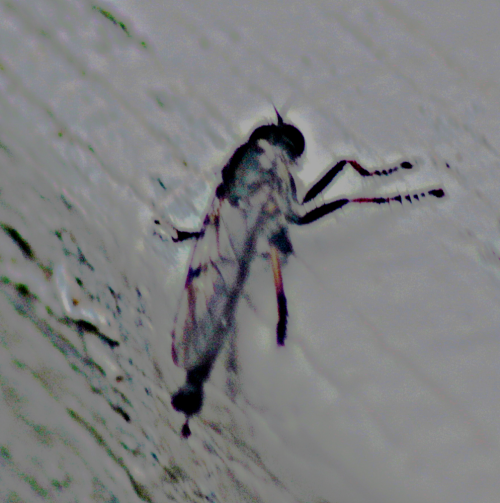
{"x": 256, "y": 200}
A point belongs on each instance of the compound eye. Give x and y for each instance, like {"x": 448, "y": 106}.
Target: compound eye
{"x": 293, "y": 141}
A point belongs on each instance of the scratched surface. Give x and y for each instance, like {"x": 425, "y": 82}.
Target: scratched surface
{"x": 114, "y": 113}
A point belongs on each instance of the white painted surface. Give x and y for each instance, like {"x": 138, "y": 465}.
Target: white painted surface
{"x": 387, "y": 389}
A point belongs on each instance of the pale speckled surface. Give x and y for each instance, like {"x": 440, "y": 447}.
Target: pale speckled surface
{"x": 387, "y": 388}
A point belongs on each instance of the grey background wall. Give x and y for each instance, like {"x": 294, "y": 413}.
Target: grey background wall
{"x": 116, "y": 113}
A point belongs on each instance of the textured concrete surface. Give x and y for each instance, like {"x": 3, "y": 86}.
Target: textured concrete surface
{"x": 116, "y": 113}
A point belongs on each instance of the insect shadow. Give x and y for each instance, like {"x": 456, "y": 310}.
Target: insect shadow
{"x": 256, "y": 200}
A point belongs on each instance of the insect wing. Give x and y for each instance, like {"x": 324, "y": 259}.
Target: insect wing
{"x": 200, "y": 324}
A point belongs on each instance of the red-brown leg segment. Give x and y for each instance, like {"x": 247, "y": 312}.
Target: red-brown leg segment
{"x": 280, "y": 297}
{"x": 325, "y": 180}
{"x": 332, "y": 206}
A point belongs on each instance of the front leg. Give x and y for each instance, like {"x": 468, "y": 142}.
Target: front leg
{"x": 168, "y": 231}
{"x": 325, "y": 180}
{"x": 327, "y": 208}
{"x": 174, "y": 234}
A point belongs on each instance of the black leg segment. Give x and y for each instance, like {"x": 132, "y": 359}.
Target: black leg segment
{"x": 280, "y": 296}
{"x": 327, "y": 208}
{"x": 325, "y": 180}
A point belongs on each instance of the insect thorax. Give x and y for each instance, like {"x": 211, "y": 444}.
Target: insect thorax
{"x": 253, "y": 168}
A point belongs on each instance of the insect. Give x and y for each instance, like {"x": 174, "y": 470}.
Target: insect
{"x": 256, "y": 201}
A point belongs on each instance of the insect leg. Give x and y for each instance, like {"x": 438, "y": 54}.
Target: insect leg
{"x": 280, "y": 297}
{"x": 174, "y": 234}
{"x": 182, "y": 236}
{"x": 321, "y": 184}
{"x": 216, "y": 222}
{"x": 327, "y": 208}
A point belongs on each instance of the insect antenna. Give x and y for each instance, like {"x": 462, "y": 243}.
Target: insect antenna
{"x": 280, "y": 119}
{"x": 284, "y": 108}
